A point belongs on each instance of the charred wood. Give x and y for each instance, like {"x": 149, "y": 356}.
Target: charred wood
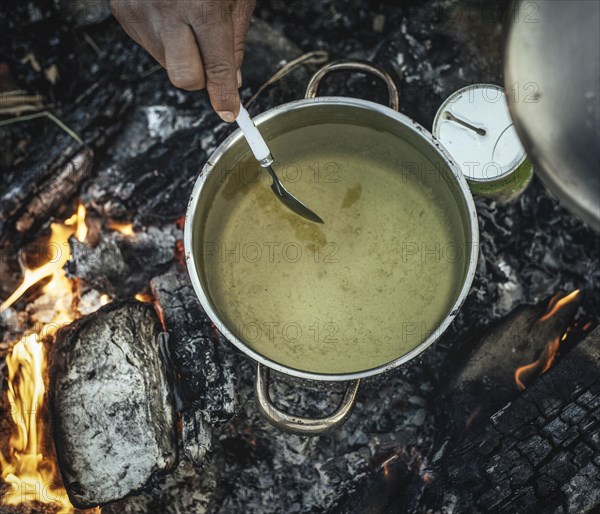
{"x": 113, "y": 421}
{"x": 201, "y": 356}
{"x": 61, "y": 187}
{"x": 55, "y": 166}
{"x": 121, "y": 264}
{"x": 485, "y": 381}
{"x": 537, "y": 454}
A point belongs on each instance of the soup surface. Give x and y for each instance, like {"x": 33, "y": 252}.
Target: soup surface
{"x": 363, "y": 289}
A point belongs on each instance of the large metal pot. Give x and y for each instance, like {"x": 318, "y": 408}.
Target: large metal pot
{"x": 308, "y": 111}
{"x": 552, "y": 76}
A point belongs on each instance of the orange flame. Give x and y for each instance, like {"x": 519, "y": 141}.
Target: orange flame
{"x": 33, "y": 477}
{"x": 148, "y": 297}
{"x": 59, "y": 244}
{"x": 125, "y": 228}
{"x": 541, "y": 365}
{"x": 558, "y": 304}
{"x": 82, "y": 229}
{"x": 145, "y": 297}
{"x": 546, "y": 359}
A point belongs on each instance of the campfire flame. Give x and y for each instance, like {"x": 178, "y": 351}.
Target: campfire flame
{"x": 31, "y": 475}
{"x": 544, "y": 362}
{"x": 124, "y": 228}
{"x": 144, "y": 297}
{"x": 558, "y": 303}
{"x": 60, "y": 233}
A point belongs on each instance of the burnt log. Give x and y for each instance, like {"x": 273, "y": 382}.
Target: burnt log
{"x": 485, "y": 380}
{"x": 200, "y": 355}
{"x": 122, "y": 264}
{"x": 537, "y": 454}
{"x": 113, "y": 422}
{"x": 484, "y": 383}
{"x": 62, "y": 186}
{"x": 56, "y": 163}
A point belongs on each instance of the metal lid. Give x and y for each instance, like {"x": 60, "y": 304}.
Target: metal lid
{"x": 475, "y": 126}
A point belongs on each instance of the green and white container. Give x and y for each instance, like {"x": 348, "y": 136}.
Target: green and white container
{"x": 475, "y": 126}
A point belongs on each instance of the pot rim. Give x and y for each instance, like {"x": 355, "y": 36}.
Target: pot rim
{"x": 332, "y": 101}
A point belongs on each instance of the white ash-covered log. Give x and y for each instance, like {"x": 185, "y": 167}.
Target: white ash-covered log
{"x": 113, "y": 421}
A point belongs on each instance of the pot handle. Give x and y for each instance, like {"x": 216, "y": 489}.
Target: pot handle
{"x": 297, "y": 424}
{"x": 362, "y": 66}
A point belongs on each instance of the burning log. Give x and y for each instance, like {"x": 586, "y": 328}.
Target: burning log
{"x": 122, "y": 262}
{"x": 55, "y": 165}
{"x": 63, "y": 185}
{"x": 28, "y": 466}
{"x": 487, "y": 379}
{"x": 201, "y": 357}
{"x": 509, "y": 355}
{"x": 113, "y": 422}
{"x": 537, "y": 454}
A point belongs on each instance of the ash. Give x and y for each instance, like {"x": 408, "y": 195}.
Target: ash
{"x": 154, "y": 142}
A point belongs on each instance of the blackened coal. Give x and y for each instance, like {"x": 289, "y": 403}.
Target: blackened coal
{"x": 537, "y": 453}
{"x": 200, "y": 354}
{"x": 122, "y": 265}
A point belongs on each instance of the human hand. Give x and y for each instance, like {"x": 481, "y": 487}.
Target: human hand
{"x": 199, "y": 42}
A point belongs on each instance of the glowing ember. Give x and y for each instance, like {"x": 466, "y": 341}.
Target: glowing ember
{"x": 144, "y": 297}
{"x": 125, "y": 228}
{"x": 180, "y": 253}
{"x": 31, "y": 475}
{"x": 524, "y": 374}
{"x": 104, "y": 299}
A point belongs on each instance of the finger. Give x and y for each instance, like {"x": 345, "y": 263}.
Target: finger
{"x": 130, "y": 18}
{"x": 152, "y": 44}
{"x": 241, "y": 23}
{"x": 182, "y": 58}
{"x": 214, "y": 32}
